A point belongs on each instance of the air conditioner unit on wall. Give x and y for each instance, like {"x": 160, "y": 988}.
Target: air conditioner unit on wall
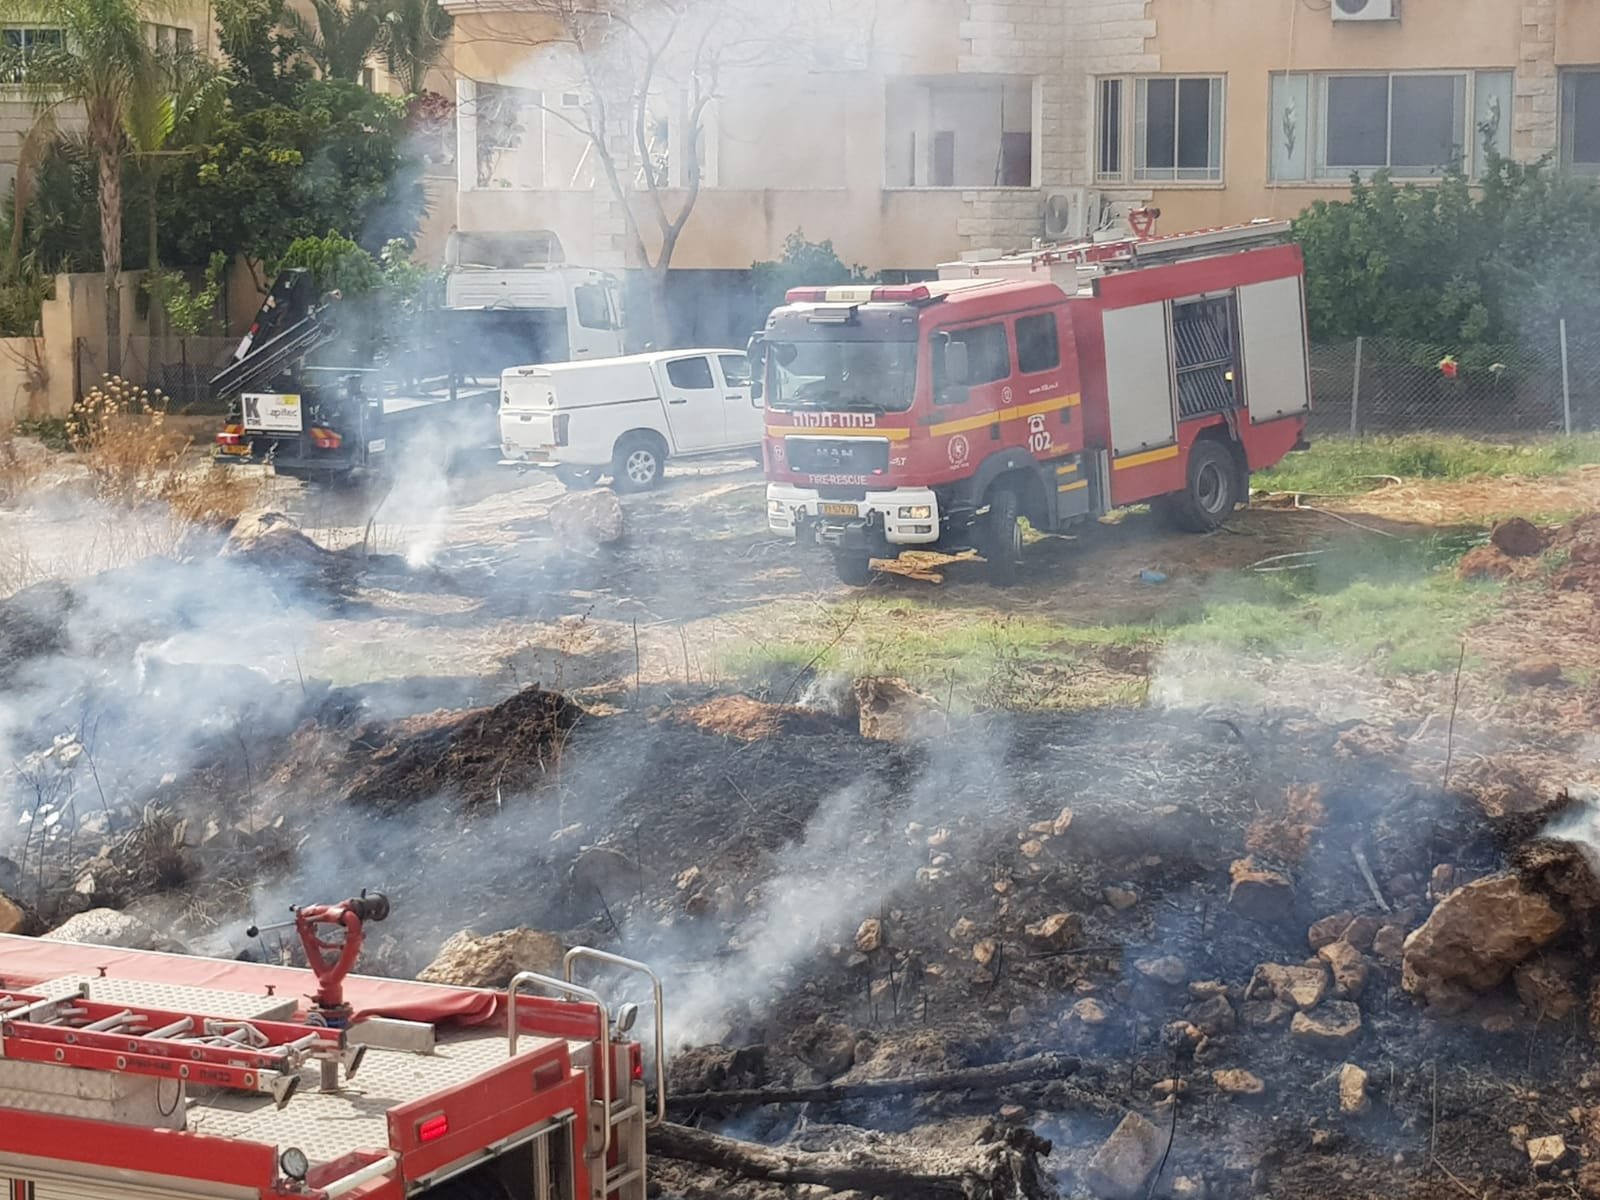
{"x": 1071, "y": 214}
{"x": 1365, "y": 10}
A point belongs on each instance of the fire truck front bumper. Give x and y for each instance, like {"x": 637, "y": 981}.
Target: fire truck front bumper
{"x": 899, "y": 517}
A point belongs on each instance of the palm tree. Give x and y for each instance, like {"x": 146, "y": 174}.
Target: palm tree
{"x": 179, "y": 104}
{"x": 341, "y": 38}
{"x": 412, "y": 36}
{"x": 102, "y": 62}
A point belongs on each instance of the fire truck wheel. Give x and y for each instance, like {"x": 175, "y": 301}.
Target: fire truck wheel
{"x": 637, "y": 465}
{"x": 1001, "y": 543}
{"x": 853, "y": 567}
{"x": 577, "y": 478}
{"x": 1213, "y": 492}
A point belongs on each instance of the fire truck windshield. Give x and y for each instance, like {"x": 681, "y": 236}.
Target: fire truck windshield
{"x": 856, "y": 375}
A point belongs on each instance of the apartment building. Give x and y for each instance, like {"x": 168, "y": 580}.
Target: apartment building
{"x": 921, "y": 129}
{"x": 175, "y": 26}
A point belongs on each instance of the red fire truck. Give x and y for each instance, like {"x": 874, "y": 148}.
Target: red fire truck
{"x": 1051, "y": 386}
{"x": 142, "y": 1076}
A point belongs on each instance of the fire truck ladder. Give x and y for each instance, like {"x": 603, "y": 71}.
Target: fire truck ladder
{"x": 249, "y": 1056}
{"x": 1166, "y": 248}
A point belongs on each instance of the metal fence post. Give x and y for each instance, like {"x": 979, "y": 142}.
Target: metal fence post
{"x": 1355, "y": 394}
{"x": 1566, "y": 382}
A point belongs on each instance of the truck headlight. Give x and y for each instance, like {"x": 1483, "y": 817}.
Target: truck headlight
{"x": 777, "y": 508}
{"x": 916, "y": 512}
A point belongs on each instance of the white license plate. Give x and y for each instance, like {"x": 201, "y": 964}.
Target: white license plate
{"x": 377, "y": 447}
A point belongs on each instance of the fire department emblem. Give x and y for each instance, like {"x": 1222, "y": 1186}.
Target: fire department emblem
{"x": 1006, "y": 394}
{"x": 960, "y": 451}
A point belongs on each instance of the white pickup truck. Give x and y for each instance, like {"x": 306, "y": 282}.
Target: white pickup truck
{"x": 625, "y": 417}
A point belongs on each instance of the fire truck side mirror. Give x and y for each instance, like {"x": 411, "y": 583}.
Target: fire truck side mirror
{"x": 756, "y": 351}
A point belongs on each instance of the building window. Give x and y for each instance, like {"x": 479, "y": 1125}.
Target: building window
{"x": 169, "y": 39}
{"x": 369, "y": 79}
{"x": 1415, "y": 125}
{"x": 973, "y": 132}
{"x": 1580, "y": 121}
{"x": 1174, "y": 127}
{"x": 29, "y": 41}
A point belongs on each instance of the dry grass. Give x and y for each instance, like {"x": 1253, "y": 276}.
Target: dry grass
{"x": 118, "y": 431}
{"x": 18, "y": 471}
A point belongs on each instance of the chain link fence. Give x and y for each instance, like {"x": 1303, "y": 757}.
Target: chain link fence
{"x": 1551, "y": 385}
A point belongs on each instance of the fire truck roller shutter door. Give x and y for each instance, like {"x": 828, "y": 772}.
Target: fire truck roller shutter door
{"x": 1139, "y": 378}
{"x": 1272, "y": 334}
{"x": 51, "y": 1186}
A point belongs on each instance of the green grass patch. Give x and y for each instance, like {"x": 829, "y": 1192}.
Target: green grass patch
{"x": 1392, "y": 605}
{"x": 1341, "y": 465}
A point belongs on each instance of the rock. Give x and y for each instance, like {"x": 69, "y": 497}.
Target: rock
{"x": 1519, "y": 1137}
{"x": 869, "y": 936}
{"x": 1055, "y": 932}
{"x": 891, "y": 710}
{"x": 1012, "y": 1113}
{"x": 1169, "y": 1087}
{"x": 1166, "y": 969}
{"x": 270, "y": 539}
{"x": 1062, "y": 823}
{"x": 1440, "y": 880}
{"x": 1474, "y": 938}
{"x": 1262, "y": 1014}
{"x": 1121, "y": 899}
{"x": 12, "y": 918}
{"x": 1089, "y": 1011}
{"x": 1545, "y": 990}
{"x": 1032, "y": 848}
{"x": 1353, "y": 1090}
{"x": 1188, "y": 1187}
{"x": 984, "y": 951}
{"x": 1125, "y": 1160}
{"x": 1361, "y": 932}
{"x": 1303, "y": 987}
{"x": 687, "y": 879}
{"x": 1348, "y": 967}
{"x": 1213, "y": 1016}
{"x": 964, "y": 930}
{"x": 1259, "y": 893}
{"x": 1546, "y": 1151}
{"x": 1332, "y": 1027}
{"x": 1238, "y": 1083}
{"x": 1329, "y": 929}
{"x": 107, "y": 927}
{"x": 1389, "y": 944}
{"x": 490, "y": 960}
{"x": 588, "y": 518}
{"x": 1517, "y": 538}
{"x": 827, "y": 1048}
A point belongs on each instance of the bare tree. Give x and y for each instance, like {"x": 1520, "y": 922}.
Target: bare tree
{"x": 635, "y": 65}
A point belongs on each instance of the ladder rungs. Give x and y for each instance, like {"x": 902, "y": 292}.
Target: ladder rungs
{"x": 619, "y": 1115}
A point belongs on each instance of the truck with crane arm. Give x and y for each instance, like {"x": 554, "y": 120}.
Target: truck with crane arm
{"x": 1050, "y": 386}
{"x": 132, "y": 1075}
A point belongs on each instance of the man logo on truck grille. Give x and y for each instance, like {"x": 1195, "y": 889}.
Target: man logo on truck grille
{"x": 960, "y": 451}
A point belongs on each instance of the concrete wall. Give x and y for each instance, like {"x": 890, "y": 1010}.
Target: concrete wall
{"x": 37, "y": 373}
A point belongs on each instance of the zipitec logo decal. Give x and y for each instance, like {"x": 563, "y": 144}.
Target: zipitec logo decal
{"x": 959, "y": 450}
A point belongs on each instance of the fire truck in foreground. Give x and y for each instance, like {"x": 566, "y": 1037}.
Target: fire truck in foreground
{"x": 145, "y": 1076}
{"x": 1050, "y": 386}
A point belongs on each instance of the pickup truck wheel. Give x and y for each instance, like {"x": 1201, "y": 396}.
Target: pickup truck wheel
{"x": 578, "y": 478}
{"x": 1000, "y": 541}
{"x": 637, "y": 465}
{"x": 853, "y": 568}
{"x": 1213, "y": 491}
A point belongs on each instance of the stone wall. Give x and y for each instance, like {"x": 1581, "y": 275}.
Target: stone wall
{"x": 1537, "y": 108}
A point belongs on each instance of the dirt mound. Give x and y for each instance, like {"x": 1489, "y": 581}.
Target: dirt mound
{"x": 474, "y": 758}
{"x": 752, "y": 720}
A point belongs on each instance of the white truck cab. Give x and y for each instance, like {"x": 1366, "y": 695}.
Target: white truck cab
{"x": 514, "y": 299}
{"x": 625, "y": 417}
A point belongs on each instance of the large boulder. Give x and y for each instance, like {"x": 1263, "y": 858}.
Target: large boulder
{"x": 1120, "y": 1168}
{"x": 588, "y": 518}
{"x": 1518, "y": 538}
{"x": 1474, "y": 939}
{"x": 490, "y": 960}
{"x": 270, "y": 539}
{"x": 107, "y": 927}
{"x": 1259, "y": 892}
{"x": 12, "y": 918}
